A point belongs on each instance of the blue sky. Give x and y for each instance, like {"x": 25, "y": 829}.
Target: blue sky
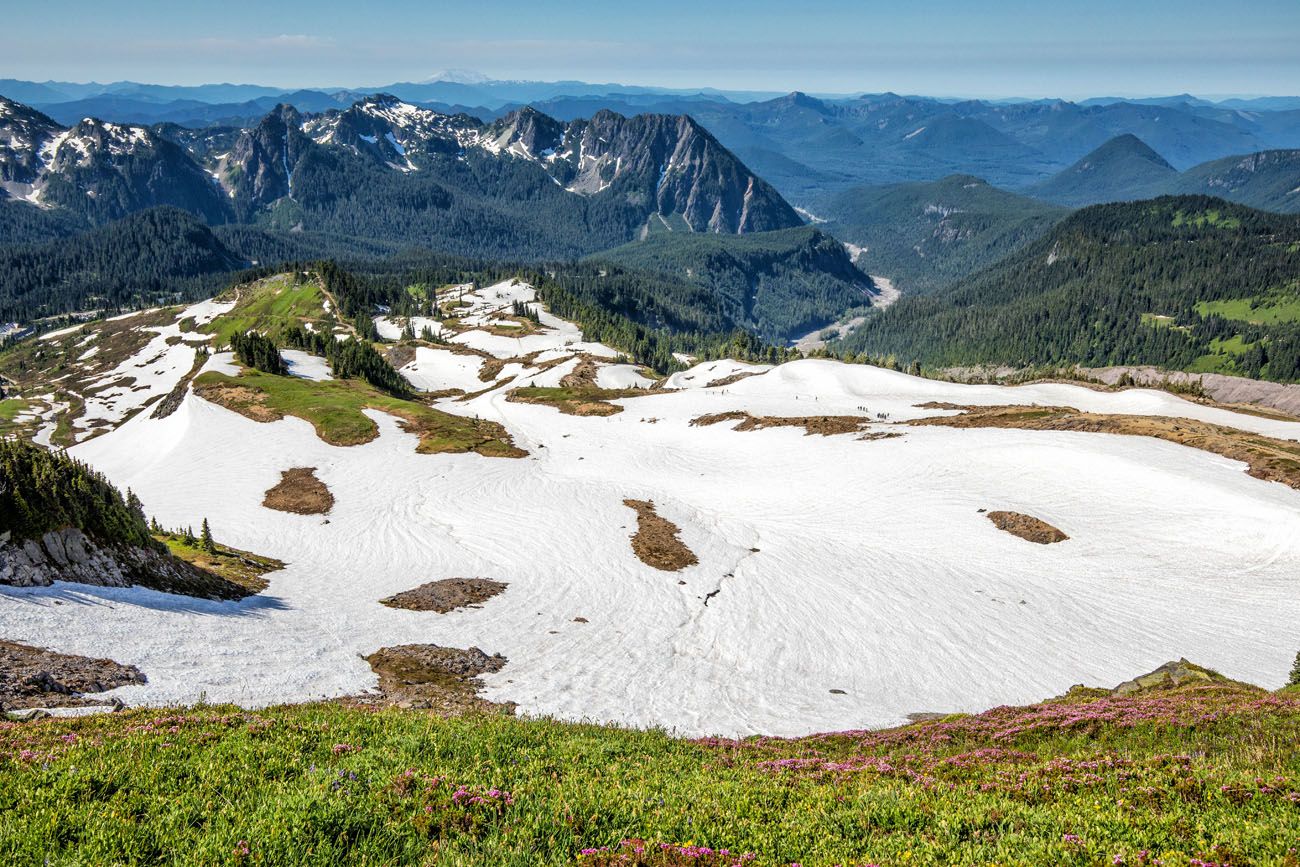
{"x": 992, "y": 48}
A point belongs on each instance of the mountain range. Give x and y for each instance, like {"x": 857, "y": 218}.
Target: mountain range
{"x": 1126, "y": 168}
{"x": 563, "y": 188}
{"x": 809, "y": 147}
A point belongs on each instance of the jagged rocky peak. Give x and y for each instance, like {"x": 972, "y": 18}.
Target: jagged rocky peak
{"x": 23, "y": 132}
{"x": 526, "y": 133}
{"x": 93, "y": 139}
{"x": 259, "y": 168}
{"x": 686, "y": 172}
{"x": 385, "y": 127}
{"x": 667, "y": 163}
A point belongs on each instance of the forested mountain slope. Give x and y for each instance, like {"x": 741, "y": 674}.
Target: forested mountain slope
{"x": 923, "y": 235}
{"x": 1122, "y": 169}
{"x": 1186, "y": 282}
{"x": 777, "y": 284}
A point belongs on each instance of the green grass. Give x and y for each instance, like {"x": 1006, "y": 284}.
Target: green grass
{"x": 1157, "y": 320}
{"x": 1222, "y": 357}
{"x": 10, "y": 407}
{"x": 1209, "y": 772}
{"x": 269, "y": 305}
{"x": 1208, "y": 217}
{"x": 241, "y": 567}
{"x": 1259, "y": 310}
{"x": 335, "y": 409}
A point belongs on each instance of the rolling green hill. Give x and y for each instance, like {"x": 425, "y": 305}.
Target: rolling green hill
{"x": 1183, "y": 282}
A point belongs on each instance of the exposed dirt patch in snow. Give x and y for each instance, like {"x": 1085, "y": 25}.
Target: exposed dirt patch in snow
{"x": 300, "y": 492}
{"x": 824, "y": 425}
{"x": 248, "y": 402}
{"x": 579, "y": 400}
{"x": 656, "y": 540}
{"x": 35, "y": 677}
{"x": 446, "y": 595}
{"x": 583, "y": 374}
{"x": 1266, "y": 458}
{"x": 1027, "y": 527}
{"x": 443, "y": 679}
{"x": 400, "y": 355}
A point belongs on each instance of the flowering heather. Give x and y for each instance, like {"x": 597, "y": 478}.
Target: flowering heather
{"x": 639, "y": 853}
{"x": 439, "y": 806}
{"x": 1199, "y": 775}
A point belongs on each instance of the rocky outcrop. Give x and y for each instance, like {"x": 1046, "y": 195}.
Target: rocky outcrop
{"x": 70, "y": 555}
{"x": 441, "y": 679}
{"x": 34, "y": 677}
{"x": 1169, "y": 675}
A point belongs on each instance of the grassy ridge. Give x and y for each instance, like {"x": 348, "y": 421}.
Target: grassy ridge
{"x": 1208, "y": 772}
{"x": 335, "y": 409}
{"x": 269, "y": 305}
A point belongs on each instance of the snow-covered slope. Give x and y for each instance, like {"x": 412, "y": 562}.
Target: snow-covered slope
{"x": 825, "y": 563}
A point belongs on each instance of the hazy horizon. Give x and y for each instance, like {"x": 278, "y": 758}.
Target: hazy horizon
{"x": 1001, "y": 50}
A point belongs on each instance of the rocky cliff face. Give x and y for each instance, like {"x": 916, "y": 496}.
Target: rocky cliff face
{"x": 259, "y": 169}
{"x": 70, "y": 555}
{"x": 668, "y": 164}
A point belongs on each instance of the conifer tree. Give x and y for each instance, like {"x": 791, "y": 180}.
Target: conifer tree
{"x": 133, "y": 503}
{"x": 205, "y": 538}
{"x": 1295, "y": 672}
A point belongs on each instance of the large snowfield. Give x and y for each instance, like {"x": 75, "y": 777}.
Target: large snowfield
{"x": 825, "y": 563}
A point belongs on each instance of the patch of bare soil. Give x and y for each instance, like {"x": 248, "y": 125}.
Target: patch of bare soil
{"x": 248, "y": 402}
{"x": 491, "y": 369}
{"x": 735, "y": 377}
{"x": 880, "y": 435}
{"x": 583, "y": 374}
{"x": 35, "y": 677}
{"x": 446, "y": 595}
{"x": 1266, "y": 458}
{"x": 656, "y": 541}
{"x": 400, "y": 355}
{"x": 441, "y": 679}
{"x": 577, "y": 400}
{"x": 300, "y": 492}
{"x": 492, "y": 366}
{"x": 1027, "y": 527}
{"x": 823, "y": 425}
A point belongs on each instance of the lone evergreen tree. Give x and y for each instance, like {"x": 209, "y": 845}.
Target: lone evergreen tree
{"x": 205, "y": 538}
{"x": 133, "y": 503}
{"x": 1295, "y": 672}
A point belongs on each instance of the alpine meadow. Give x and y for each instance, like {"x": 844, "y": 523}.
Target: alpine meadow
{"x": 723, "y": 435}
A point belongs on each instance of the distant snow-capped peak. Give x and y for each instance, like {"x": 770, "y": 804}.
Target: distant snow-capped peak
{"x": 457, "y": 76}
